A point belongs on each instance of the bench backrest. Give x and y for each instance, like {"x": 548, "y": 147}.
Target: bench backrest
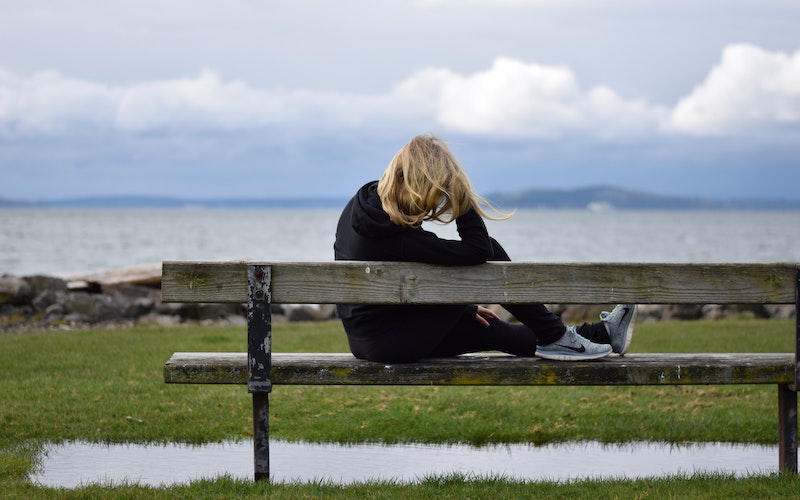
{"x": 491, "y": 283}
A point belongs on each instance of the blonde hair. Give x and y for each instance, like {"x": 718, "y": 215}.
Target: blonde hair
{"x": 424, "y": 181}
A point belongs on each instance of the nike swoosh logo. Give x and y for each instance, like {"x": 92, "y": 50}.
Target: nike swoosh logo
{"x": 576, "y": 349}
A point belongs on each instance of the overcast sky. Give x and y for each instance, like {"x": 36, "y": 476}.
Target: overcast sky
{"x": 246, "y": 98}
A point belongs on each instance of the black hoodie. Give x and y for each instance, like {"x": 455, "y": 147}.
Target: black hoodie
{"x": 365, "y": 232}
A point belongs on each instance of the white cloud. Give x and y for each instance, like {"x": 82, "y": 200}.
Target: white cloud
{"x": 52, "y": 103}
{"x": 511, "y": 98}
{"x": 201, "y": 102}
{"x": 751, "y": 89}
{"x": 517, "y": 99}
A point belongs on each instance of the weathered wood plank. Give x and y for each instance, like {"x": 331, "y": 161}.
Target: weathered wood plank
{"x": 218, "y": 282}
{"x": 633, "y": 369}
{"x": 491, "y": 283}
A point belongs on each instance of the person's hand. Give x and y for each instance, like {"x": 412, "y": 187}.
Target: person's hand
{"x": 484, "y": 313}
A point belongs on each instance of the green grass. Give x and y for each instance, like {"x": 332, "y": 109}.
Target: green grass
{"x": 107, "y": 386}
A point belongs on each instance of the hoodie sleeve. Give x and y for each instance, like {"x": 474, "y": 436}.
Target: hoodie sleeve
{"x": 474, "y": 247}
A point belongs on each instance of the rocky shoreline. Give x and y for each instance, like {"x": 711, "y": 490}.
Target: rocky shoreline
{"x": 133, "y": 297}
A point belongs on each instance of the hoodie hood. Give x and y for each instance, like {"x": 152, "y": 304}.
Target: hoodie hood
{"x": 368, "y": 217}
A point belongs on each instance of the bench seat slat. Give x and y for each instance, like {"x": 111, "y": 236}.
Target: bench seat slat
{"x": 489, "y": 369}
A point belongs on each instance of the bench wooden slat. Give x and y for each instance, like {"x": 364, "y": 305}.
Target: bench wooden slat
{"x": 344, "y": 369}
{"x": 491, "y": 283}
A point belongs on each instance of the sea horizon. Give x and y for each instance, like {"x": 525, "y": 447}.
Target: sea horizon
{"x": 79, "y": 240}
{"x": 571, "y": 199}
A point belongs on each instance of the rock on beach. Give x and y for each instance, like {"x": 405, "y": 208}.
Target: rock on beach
{"x": 117, "y": 298}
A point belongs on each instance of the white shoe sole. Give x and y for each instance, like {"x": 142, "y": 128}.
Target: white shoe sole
{"x": 567, "y": 356}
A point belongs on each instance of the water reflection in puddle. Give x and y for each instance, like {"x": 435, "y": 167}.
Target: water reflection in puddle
{"x": 72, "y": 464}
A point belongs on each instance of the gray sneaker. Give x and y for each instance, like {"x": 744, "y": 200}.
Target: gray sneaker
{"x": 573, "y": 347}
{"x": 619, "y": 323}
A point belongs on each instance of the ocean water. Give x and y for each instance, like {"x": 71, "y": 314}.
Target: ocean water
{"x": 72, "y": 241}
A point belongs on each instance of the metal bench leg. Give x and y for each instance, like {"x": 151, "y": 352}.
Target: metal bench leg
{"x": 259, "y": 360}
{"x": 787, "y": 399}
{"x": 787, "y": 429}
{"x": 261, "y": 435}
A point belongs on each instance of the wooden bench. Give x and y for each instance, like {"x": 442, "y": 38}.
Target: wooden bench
{"x": 261, "y": 284}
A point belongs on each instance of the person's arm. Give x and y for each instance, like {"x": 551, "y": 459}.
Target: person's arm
{"x": 474, "y": 247}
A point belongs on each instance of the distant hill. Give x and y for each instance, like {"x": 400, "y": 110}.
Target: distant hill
{"x": 606, "y": 198}
{"x": 14, "y": 203}
{"x": 592, "y": 198}
{"x": 167, "y": 202}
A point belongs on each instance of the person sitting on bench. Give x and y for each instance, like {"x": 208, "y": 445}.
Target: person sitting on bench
{"x": 383, "y": 222}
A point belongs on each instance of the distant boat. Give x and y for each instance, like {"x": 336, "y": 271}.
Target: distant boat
{"x": 599, "y": 206}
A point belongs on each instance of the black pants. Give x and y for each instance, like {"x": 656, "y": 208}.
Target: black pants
{"x": 546, "y": 325}
{"x": 406, "y": 334}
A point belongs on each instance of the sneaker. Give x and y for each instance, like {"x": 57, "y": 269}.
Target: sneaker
{"x": 573, "y": 347}
{"x": 619, "y": 324}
